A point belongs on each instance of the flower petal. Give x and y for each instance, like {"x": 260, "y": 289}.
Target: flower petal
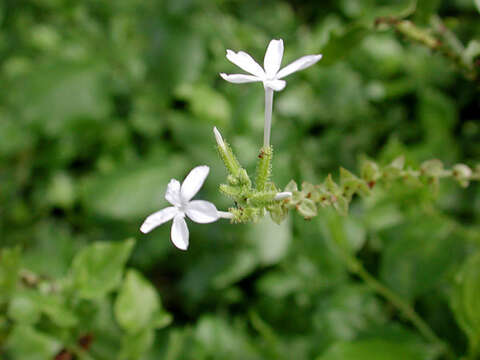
{"x": 299, "y": 64}
{"x": 245, "y": 62}
{"x": 194, "y": 181}
{"x": 158, "y": 218}
{"x": 179, "y": 234}
{"x": 239, "y": 78}
{"x": 273, "y": 58}
{"x": 276, "y": 85}
{"x": 202, "y": 211}
{"x": 173, "y": 193}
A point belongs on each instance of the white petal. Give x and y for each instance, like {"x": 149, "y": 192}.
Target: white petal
{"x": 273, "y": 58}
{"x": 245, "y": 62}
{"x": 239, "y": 78}
{"x": 276, "y": 85}
{"x": 194, "y": 181}
{"x": 173, "y": 193}
{"x": 158, "y": 218}
{"x": 202, "y": 211}
{"x": 299, "y": 64}
{"x": 179, "y": 234}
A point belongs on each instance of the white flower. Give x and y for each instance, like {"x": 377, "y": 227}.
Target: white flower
{"x": 270, "y": 76}
{"x": 180, "y": 196}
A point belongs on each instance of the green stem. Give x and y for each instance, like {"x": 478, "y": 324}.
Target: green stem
{"x": 268, "y": 116}
{"x": 356, "y": 267}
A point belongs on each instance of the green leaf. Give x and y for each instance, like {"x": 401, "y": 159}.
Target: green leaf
{"x": 135, "y": 345}
{"x": 23, "y": 309}
{"x": 374, "y": 349}
{"x": 137, "y": 303}
{"x": 207, "y": 104}
{"x": 59, "y": 94}
{"x": 26, "y": 343}
{"x": 53, "y": 306}
{"x": 98, "y": 268}
{"x": 417, "y": 255}
{"x": 347, "y": 312}
{"x": 9, "y": 268}
{"x": 477, "y": 4}
{"x": 340, "y": 45}
{"x": 134, "y": 191}
{"x": 466, "y": 302}
{"x": 27, "y": 306}
{"x": 425, "y": 9}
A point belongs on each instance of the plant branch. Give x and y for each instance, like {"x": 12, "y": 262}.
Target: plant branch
{"x": 357, "y": 268}
{"x": 439, "y": 39}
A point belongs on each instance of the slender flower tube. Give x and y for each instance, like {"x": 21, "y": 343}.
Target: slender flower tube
{"x": 219, "y": 138}
{"x": 180, "y": 196}
{"x": 270, "y": 74}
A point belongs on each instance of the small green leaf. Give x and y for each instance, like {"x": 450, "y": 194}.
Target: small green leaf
{"x": 370, "y": 172}
{"x": 23, "y": 309}
{"x": 26, "y": 343}
{"x": 291, "y": 186}
{"x": 398, "y": 163}
{"x": 137, "y": 303}
{"x": 26, "y": 307}
{"x": 341, "y": 205}
{"x": 53, "y": 306}
{"x": 98, "y": 268}
{"x": 307, "y": 209}
{"x": 278, "y": 212}
{"x": 331, "y": 185}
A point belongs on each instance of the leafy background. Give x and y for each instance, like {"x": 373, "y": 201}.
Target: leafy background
{"x": 104, "y": 102}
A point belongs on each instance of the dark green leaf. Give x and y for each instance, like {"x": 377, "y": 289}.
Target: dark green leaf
{"x": 340, "y": 45}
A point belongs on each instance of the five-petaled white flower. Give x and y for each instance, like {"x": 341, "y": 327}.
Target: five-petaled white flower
{"x": 272, "y": 75}
{"x": 180, "y": 196}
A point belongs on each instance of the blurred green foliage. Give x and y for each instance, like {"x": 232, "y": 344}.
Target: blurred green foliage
{"x": 104, "y": 102}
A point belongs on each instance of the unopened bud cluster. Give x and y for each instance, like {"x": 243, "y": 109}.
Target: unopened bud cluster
{"x": 310, "y": 198}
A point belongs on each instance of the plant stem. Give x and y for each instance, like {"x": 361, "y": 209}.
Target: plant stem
{"x": 356, "y": 267}
{"x": 449, "y": 45}
{"x": 268, "y": 116}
